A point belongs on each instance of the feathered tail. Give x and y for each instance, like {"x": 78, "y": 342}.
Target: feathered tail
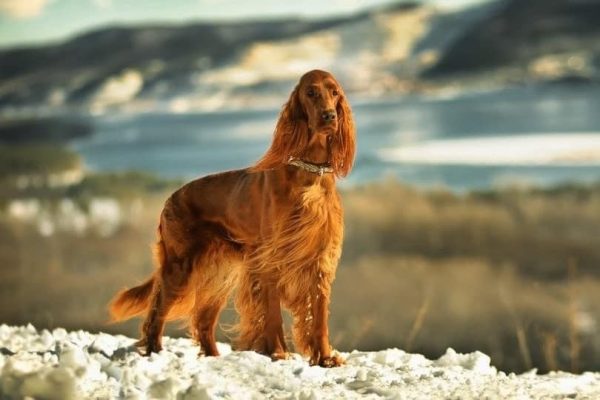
{"x": 133, "y": 302}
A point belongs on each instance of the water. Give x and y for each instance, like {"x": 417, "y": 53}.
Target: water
{"x": 404, "y": 138}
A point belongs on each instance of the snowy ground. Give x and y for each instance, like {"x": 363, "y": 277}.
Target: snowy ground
{"x": 74, "y": 365}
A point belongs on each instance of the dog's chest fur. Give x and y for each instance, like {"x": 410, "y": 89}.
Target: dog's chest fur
{"x": 307, "y": 237}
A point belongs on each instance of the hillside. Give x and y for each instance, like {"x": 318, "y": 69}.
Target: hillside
{"x": 399, "y": 49}
{"x": 550, "y": 39}
{"x": 200, "y": 65}
{"x": 205, "y": 66}
{"x": 69, "y": 365}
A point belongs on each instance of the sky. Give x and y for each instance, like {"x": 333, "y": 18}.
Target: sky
{"x": 30, "y": 22}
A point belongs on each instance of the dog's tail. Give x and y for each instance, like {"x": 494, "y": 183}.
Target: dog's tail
{"x": 133, "y": 302}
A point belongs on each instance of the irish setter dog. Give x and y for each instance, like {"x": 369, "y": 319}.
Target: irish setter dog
{"x": 272, "y": 231}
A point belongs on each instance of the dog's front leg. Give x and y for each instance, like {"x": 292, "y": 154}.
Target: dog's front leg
{"x": 274, "y": 337}
{"x": 322, "y": 353}
{"x": 261, "y": 324}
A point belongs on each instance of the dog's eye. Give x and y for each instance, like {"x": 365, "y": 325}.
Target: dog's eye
{"x": 335, "y": 92}
{"x": 311, "y": 93}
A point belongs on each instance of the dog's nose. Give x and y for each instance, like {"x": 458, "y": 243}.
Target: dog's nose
{"x": 328, "y": 115}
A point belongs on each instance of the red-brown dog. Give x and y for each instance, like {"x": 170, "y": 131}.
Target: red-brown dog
{"x": 273, "y": 231}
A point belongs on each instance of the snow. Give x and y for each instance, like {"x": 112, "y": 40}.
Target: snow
{"x": 72, "y": 365}
{"x": 564, "y": 149}
{"x": 118, "y": 89}
{"x": 104, "y": 215}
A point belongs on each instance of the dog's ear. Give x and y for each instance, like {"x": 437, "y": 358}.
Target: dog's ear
{"x": 290, "y": 136}
{"x": 293, "y": 110}
{"x": 344, "y": 143}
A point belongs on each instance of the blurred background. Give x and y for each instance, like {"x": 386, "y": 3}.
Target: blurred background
{"x": 473, "y": 210}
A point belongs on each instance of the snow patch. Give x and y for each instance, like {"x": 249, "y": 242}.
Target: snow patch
{"x": 118, "y": 89}
{"x": 539, "y": 149}
{"x": 103, "y": 215}
{"x": 71, "y": 365}
{"x": 264, "y": 61}
{"x": 476, "y": 361}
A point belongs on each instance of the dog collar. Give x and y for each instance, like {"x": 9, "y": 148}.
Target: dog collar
{"x": 309, "y": 167}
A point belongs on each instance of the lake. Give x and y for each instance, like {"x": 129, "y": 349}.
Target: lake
{"x": 540, "y": 135}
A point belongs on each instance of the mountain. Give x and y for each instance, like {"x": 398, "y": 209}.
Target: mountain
{"x": 546, "y": 38}
{"x": 226, "y": 65}
{"x": 398, "y": 49}
{"x": 145, "y": 60}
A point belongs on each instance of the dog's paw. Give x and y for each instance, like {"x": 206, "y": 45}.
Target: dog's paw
{"x": 283, "y": 355}
{"x": 146, "y": 348}
{"x": 209, "y": 353}
{"x": 331, "y": 361}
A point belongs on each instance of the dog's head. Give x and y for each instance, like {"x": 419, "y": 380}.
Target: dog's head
{"x": 317, "y": 106}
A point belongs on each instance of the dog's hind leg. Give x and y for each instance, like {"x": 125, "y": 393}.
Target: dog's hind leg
{"x": 211, "y": 297}
{"x": 216, "y": 275}
{"x": 171, "y": 286}
{"x": 204, "y": 322}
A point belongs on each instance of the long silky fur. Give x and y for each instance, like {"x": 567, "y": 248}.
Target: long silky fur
{"x": 297, "y": 254}
{"x": 292, "y": 252}
{"x": 133, "y": 302}
{"x": 291, "y": 137}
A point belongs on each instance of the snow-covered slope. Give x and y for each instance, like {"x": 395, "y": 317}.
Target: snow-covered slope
{"x": 233, "y": 65}
{"x": 74, "y": 365}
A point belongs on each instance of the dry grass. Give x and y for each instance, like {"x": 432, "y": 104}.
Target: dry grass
{"x": 537, "y": 232}
{"x": 420, "y": 271}
{"x": 466, "y": 311}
